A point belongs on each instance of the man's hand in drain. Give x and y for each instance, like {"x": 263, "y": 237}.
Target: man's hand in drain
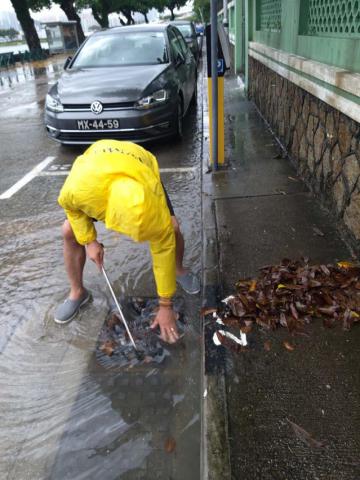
{"x": 166, "y": 321}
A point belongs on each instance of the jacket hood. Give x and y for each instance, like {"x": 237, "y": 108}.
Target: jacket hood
{"x": 107, "y": 84}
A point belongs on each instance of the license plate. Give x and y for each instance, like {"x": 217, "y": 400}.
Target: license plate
{"x": 98, "y": 124}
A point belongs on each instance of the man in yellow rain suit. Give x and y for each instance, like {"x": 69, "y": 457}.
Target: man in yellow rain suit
{"x": 119, "y": 184}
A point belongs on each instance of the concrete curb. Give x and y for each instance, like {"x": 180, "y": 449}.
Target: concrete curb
{"x": 215, "y": 450}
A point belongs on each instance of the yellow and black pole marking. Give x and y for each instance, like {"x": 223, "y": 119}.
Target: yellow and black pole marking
{"x": 219, "y": 111}
{"x": 220, "y": 132}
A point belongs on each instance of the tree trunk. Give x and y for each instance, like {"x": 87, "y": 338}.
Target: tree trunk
{"x": 172, "y": 13}
{"x": 146, "y": 18}
{"x": 68, "y": 7}
{"x": 101, "y": 18}
{"x": 129, "y": 18}
{"x": 27, "y": 24}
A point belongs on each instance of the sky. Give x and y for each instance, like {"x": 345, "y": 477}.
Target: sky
{"x": 6, "y": 6}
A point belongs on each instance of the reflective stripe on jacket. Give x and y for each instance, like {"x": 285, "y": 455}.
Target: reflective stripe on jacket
{"x": 119, "y": 184}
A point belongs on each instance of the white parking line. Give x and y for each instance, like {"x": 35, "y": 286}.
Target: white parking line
{"x": 37, "y": 171}
{"x": 26, "y": 178}
{"x": 55, "y": 173}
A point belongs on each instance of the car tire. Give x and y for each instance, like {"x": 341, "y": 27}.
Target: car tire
{"x": 179, "y": 120}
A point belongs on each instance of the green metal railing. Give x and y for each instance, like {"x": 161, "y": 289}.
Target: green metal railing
{"x": 268, "y": 15}
{"x": 327, "y": 31}
{"x": 330, "y": 18}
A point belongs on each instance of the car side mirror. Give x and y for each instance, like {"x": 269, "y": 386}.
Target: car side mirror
{"x": 67, "y": 62}
{"x": 179, "y": 60}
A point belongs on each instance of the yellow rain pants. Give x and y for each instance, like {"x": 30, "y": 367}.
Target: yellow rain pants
{"x": 119, "y": 184}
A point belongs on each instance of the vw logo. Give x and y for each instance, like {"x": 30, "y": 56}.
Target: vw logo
{"x": 96, "y": 107}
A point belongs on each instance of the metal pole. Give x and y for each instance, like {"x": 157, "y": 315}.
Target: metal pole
{"x": 214, "y": 83}
{"x": 122, "y": 318}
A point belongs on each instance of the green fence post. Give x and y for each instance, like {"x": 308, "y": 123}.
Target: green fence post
{"x": 290, "y": 14}
{"x": 250, "y": 11}
{"x": 239, "y": 36}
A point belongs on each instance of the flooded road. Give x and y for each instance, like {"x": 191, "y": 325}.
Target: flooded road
{"x": 66, "y": 413}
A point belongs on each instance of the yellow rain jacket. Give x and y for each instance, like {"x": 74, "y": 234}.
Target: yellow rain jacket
{"x": 119, "y": 184}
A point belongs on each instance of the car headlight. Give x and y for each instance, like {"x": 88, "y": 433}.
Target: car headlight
{"x": 53, "y": 104}
{"x": 154, "y": 99}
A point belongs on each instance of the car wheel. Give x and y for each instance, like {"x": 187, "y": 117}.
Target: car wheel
{"x": 179, "y": 120}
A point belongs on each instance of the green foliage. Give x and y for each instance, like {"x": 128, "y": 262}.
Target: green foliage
{"x": 172, "y": 4}
{"x": 9, "y": 32}
{"x": 102, "y": 8}
{"x": 202, "y": 10}
{"x": 37, "y": 5}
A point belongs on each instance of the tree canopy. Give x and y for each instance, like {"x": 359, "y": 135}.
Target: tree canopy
{"x": 100, "y": 10}
{"x": 69, "y": 7}
{"x": 172, "y": 4}
{"x": 9, "y": 32}
{"x": 202, "y": 10}
{"x": 21, "y": 8}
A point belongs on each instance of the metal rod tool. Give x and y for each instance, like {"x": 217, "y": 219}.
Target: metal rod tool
{"x": 118, "y": 307}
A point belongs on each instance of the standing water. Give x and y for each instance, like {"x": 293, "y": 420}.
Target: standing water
{"x": 67, "y": 411}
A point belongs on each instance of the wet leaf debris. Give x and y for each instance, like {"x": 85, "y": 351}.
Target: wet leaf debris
{"x": 290, "y": 295}
{"x": 114, "y": 347}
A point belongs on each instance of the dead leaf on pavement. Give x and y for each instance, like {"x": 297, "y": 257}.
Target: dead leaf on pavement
{"x": 108, "y": 347}
{"x": 170, "y": 445}
{"x": 252, "y": 286}
{"x": 283, "y": 321}
{"x": 267, "y": 345}
{"x": 246, "y": 328}
{"x": 114, "y": 320}
{"x": 288, "y": 346}
{"x": 318, "y": 232}
{"x": 292, "y": 295}
{"x": 206, "y": 310}
{"x": 346, "y": 265}
{"x": 231, "y": 321}
{"x": 325, "y": 270}
{"x": 305, "y": 436}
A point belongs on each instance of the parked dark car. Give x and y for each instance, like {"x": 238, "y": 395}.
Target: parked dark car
{"x": 128, "y": 83}
{"x": 188, "y": 31}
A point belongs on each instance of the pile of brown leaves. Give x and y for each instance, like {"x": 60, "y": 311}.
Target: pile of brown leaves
{"x": 293, "y": 293}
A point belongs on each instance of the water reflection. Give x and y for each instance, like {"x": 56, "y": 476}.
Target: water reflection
{"x": 10, "y": 77}
{"x": 65, "y": 415}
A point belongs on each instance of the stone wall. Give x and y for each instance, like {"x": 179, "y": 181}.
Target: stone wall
{"x": 322, "y": 142}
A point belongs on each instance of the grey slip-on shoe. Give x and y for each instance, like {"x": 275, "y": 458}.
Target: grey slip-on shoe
{"x": 70, "y": 308}
{"x": 189, "y": 283}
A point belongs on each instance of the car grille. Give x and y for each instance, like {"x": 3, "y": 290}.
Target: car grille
{"x": 96, "y": 135}
{"x": 85, "y": 107}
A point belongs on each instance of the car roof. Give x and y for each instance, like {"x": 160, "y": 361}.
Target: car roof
{"x": 143, "y": 27}
{"x": 180, "y": 22}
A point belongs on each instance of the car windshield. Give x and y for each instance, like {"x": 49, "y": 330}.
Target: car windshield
{"x": 186, "y": 30}
{"x": 119, "y": 49}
